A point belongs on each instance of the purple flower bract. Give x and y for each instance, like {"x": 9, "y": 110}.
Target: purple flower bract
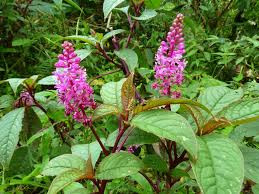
{"x": 73, "y": 90}
{"x": 170, "y": 64}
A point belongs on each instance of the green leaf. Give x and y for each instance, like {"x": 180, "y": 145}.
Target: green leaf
{"x": 137, "y": 137}
{"x": 245, "y": 130}
{"x": 111, "y": 34}
{"x": 15, "y": 83}
{"x": 118, "y": 165}
{"x": 220, "y": 165}
{"x": 6, "y": 101}
{"x": 217, "y": 97}
{"x": 155, "y": 162}
{"x": 64, "y": 179}
{"x": 104, "y": 110}
{"x": 129, "y": 56}
{"x": 145, "y": 186}
{"x": 70, "y": 189}
{"x": 83, "y": 53}
{"x": 21, "y": 162}
{"x": 146, "y": 15}
{"x": 111, "y": 93}
{"x": 255, "y": 189}
{"x": 10, "y": 127}
{"x": 49, "y": 80}
{"x": 123, "y": 9}
{"x": 156, "y": 102}
{"x": 87, "y": 39}
{"x": 64, "y": 163}
{"x": 109, "y": 5}
{"x": 73, "y": 4}
{"x": 241, "y": 110}
{"x": 169, "y": 125}
{"x": 251, "y": 158}
{"x": 85, "y": 150}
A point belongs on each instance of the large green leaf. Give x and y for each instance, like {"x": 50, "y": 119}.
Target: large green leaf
{"x": 10, "y": 127}
{"x": 109, "y": 5}
{"x": 64, "y": 163}
{"x": 118, "y": 165}
{"x": 217, "y": 97}
{"x": 146, "y": 15}
{"x": 169, "y": 125}
{"x": 129, "y": 56}
{"x": 251, "y": 158}
{"x": 111, "y": 93}
{"x": 220, "y": 165}
{"x": 86, "y": 150}
{"x": 64, "y": 179}
{"x": 245, "y": 109}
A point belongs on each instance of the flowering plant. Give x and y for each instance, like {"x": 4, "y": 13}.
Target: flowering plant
{"x": 160, "y": 143}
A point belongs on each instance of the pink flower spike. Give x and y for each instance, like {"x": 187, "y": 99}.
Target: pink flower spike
{"x": 170, "y": 64}
{"x": 73, "y": 90}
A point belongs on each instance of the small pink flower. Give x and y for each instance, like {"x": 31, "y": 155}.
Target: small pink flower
{"x": 73, "y": 90}
{"x": 169, "y": 61}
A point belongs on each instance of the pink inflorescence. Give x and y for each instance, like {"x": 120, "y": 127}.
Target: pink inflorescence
{"x": 73, "y": 90}
{"x": 169, "y": 61}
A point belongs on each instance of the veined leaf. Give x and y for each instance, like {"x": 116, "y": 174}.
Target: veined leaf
{"x": 118, "y": 165}
{"x": 169, "y": 125}
{"x": 64, "y": 163}
{"x": 86, "y": 150}
{"x": 217, "y": 97}
{"x": 10, "y": 127}
{"x": 64, "y": 179}
{"x": 111, "y": 93}
{"x": 241, "y": 110}
{"x": 129, "y": 56}
{"x": 220, "y": 166}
